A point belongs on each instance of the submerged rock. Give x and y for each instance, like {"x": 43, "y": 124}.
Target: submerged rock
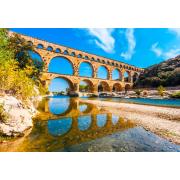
{"x": 19, "y": 117}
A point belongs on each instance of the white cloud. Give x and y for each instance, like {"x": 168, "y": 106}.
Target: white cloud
{"x": 172, "y": 53}
{"x": 103, "y": 38}
{"x": 165, "y": 54}
{"x": 131, "y": 44}
{"x": 175, "y": 30}
{"x": 156, "y": 49}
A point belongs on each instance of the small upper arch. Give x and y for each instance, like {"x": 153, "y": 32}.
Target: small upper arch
{"x": 58, "y": 50}
{"x": 40, "y": 46}
{"x": 66, "y": 52}
{"x": 49, "y": 48}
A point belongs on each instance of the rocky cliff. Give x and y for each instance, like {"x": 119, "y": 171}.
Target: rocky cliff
{"x": 166, "y": 73}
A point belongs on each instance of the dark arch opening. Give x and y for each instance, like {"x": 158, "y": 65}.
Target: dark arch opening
{"x": 117, "y": 87}
{"x": 66, "y": 52}
{"x": 127, "y": 87}
{"x": 86, "y": 57}
{"x": 103, "y": 87}
{"x": 40, "y": 46}
{"x": 49, "y": 48}
{"x": 61, "y": 65}
{"x": 79, "y": 56}
{"x": 58, "y": 50}
{"x": 73, "y": 54}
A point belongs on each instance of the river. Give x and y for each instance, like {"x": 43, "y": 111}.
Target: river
{"x": 68, "y": 125}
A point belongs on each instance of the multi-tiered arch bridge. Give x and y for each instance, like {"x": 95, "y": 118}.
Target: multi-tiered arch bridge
{"x": 49, "y": 51}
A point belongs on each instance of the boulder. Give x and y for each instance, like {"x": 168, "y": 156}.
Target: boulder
{"x": 19, "y": 117}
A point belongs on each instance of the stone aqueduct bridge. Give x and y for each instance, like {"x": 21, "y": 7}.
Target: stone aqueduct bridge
{"x": 48, "y": 51}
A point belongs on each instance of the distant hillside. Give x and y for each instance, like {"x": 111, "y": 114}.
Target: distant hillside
{"x": 166, "y": 73}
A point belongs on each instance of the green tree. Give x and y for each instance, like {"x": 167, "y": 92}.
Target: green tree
{"x": 18, "y": 74}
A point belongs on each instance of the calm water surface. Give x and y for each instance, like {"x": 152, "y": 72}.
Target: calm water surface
{"x": 67, "y": 124}
{"x": 157, "y": 102}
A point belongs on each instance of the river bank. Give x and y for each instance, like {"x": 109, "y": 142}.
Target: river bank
{"x": 164, "y": 121}
{"x": 16, "y": 117}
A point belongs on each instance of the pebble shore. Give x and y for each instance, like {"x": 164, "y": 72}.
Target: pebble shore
{"x": 164, "y": 121}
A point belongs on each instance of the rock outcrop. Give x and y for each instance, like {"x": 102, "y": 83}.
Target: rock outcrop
{"x": 19, "y": 117}
{"x": 166, "y": 73}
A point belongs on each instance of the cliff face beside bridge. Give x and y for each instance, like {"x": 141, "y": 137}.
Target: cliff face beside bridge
{"x": 166, "y": 73}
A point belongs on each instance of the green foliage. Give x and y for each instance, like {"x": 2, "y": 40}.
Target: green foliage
{"x": 138, "y": 92}
{"x": 176, "y": 95}
{"x": 161, "y": 90}
{"x": 83, "y": 87}
{"x": 166, "y": 74}
{"x": 3, "y": 115}
{"x": 19, "y": 76}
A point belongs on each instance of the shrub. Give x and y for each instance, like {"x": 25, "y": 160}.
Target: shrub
{"x": 176, "y": 95}
{"x": 161, "y": 90}
{"x": 138, "y": 92}
{"x": 18, "y": 73}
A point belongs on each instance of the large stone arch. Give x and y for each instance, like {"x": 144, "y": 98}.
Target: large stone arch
{"x": 90, "y": 64}
{"x": 117, "y": 87}
{"x": 64, "y": 57}
{"x": 90, "y": 85}
{"x": 107, "y": 70}
{"x": 127, "y": 87}
{"x": 128, "y": 78}
{"x": 105, "y": 87}
{"x": 70, "y": 82}
{"x": 120, "y": 77}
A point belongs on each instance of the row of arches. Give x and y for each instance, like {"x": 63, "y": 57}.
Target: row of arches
{"x": 62, "y": 65}
{"x": 86, "y": 57}
{"x": 85, "y": 69}
{"x": 64, "y": 86}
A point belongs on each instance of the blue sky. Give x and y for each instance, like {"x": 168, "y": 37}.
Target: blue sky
{"x": 141, "y": 47}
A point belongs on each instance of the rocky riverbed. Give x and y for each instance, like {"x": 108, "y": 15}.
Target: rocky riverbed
{"x": 164, "y": 121}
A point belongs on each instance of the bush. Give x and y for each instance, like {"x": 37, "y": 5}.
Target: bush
{"x": 161, "y": 90}
{"x": 18, "y": 74}
{"x": 138, "y": 92}
{"x": 176, "y": 95}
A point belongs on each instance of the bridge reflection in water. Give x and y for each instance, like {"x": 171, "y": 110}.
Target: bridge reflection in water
{"x": 63, "y": 122}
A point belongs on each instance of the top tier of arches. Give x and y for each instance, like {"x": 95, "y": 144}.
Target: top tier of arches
{"x": 40, "y": 44}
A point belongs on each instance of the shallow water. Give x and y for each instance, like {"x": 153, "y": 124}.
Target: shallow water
{"x": 157, "y": 102}
{"x": 67, "y": 124}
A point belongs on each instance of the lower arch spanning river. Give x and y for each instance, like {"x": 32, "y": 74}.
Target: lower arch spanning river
{"x": 68, "y": 124}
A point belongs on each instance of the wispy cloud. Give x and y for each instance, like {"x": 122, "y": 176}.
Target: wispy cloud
{"x": 131, "y": 44}
{"x": 164, "y": 54}
{"x": 175, "y": 30}
{"x": 156, "y": 49}
{"x": 103, "y": 38}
